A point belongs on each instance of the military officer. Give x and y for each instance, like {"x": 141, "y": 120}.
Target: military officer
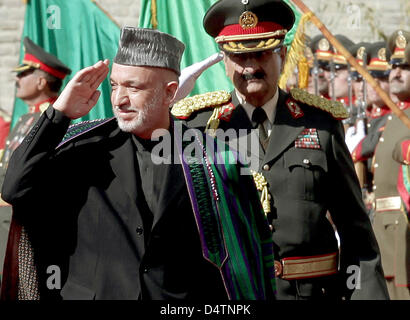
{"x": 390, "y": 186}
{"x": 304, "y": 168}
{"x": 38, "y": 81}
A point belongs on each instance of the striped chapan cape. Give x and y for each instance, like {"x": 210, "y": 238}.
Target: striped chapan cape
{"x": 233, "y": 228}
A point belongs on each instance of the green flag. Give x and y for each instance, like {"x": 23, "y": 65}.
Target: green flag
{"x": 79, "y": 33}
{"x": 183, "y": 19}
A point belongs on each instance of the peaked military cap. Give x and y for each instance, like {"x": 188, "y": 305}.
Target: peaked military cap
{"x": 321, "y": 50}
{"x": 241, "y": 26}
{"x": 379, "y": 55}
{"x": 360, "y": 51}
{"x": 35, "y": 57}
{"x": 397, "y": 42}
{"x": 338, "y": 59}
{"x": 150, "y": 48}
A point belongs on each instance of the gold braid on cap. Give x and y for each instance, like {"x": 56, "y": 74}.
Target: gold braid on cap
{"x": 244, "y": 37}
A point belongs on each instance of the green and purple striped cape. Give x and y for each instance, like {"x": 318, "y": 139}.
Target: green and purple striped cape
{"x": 233, "y": 228}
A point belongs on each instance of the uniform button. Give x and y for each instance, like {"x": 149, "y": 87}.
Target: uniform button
{"x": 374, "y": 187}
{"x": 266, "y": 167}
{"x": 389, "y": 117}
{"x": 146, "y": 269}
{"x": 381, "y": 139}
{"x": 139, "y": 231}
{"x": 396, "y": 222}
{"x": 376, "y": 165}
{"x": 369, "y": 125}
{"x": 306, "y": 161}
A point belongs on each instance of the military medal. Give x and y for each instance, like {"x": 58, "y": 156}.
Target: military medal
{"x": 308, "y": 139}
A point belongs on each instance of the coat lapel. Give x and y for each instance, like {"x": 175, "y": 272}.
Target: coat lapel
{"x": 122, "y": 162}
{"x": 284, "y": 131}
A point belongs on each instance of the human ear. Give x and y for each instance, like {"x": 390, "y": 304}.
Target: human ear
{"x": 170, "y": 91}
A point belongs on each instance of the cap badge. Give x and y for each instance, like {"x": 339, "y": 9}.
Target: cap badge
{"x": 248, "y": 20}
{"x": 324, "y": 45}
{"x": 245, "y": 2}
{"x": 360, "y": 53}
{"x": 401, "y": 41}
{"x": 381, "y": 54}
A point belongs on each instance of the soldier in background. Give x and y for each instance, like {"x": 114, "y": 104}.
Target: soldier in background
{"x": 38, "y": 82}
{"x": 379, "y": 69}
{"x": 339, "y": 90}
{"x": 320, "y": 50}
{"x": 391, "y": 177}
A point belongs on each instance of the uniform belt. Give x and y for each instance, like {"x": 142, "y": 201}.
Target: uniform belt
{"x": 388, "y": 204}
{"x": 306, "y": 267}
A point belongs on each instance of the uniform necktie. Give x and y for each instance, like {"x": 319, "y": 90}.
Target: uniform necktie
{"x": 259, "y": 116}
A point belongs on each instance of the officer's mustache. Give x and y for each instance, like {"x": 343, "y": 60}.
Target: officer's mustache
{"x": 253, "y": 75}
{"x": 398, "y": 79}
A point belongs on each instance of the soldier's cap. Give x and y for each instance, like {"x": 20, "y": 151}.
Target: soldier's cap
{"x": 379, "y": 55}
{"x": 143, "y": 47}
{"x": 338, "y": 59}
{"x": 322, "y": 48}
{"x": 241, "y": 26}
{"x": 35, "y": 57}
{"x": 360, "y": 51}
{"x": 397, "y": 42}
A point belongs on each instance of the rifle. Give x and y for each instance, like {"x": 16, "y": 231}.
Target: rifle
{"x": 332, "y": 79}
{"x": 316, "y": 74}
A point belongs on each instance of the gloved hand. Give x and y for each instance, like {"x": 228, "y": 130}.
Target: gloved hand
{"x": 355, "y": 134}
{"x": 190, "y": 74}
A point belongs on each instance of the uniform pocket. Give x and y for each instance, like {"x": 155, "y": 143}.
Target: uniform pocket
{"x": 306, "y": 171}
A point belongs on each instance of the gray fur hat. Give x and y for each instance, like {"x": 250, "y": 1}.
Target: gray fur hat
{"x": 148, "y": 47}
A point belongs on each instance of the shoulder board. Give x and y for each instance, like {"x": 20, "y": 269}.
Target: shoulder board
{"x": 80, "y": 128}
{"x": 335, "y": 108}
{"x": 185, "y": 107}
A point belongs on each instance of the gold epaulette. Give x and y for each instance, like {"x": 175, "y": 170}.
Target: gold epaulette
{"x": 185, "y": 107}
{"x": 335, "y": 108}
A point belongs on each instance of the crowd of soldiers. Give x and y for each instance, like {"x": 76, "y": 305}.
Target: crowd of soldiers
{"x": 377, "y": 139}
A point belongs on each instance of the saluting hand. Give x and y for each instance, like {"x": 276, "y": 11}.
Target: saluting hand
{"x": 81, "y": 94}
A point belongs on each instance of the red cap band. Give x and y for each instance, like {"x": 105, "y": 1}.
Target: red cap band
{"x": 262, "y": 27}
{"x": 44, "y": 67}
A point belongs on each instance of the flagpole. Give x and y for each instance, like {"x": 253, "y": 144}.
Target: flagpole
{"x": 339, "y": 47}
{"x": 106, "y": 12}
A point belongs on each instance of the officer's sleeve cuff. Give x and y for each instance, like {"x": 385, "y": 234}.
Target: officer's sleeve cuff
{"x": 56, "y": 116}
